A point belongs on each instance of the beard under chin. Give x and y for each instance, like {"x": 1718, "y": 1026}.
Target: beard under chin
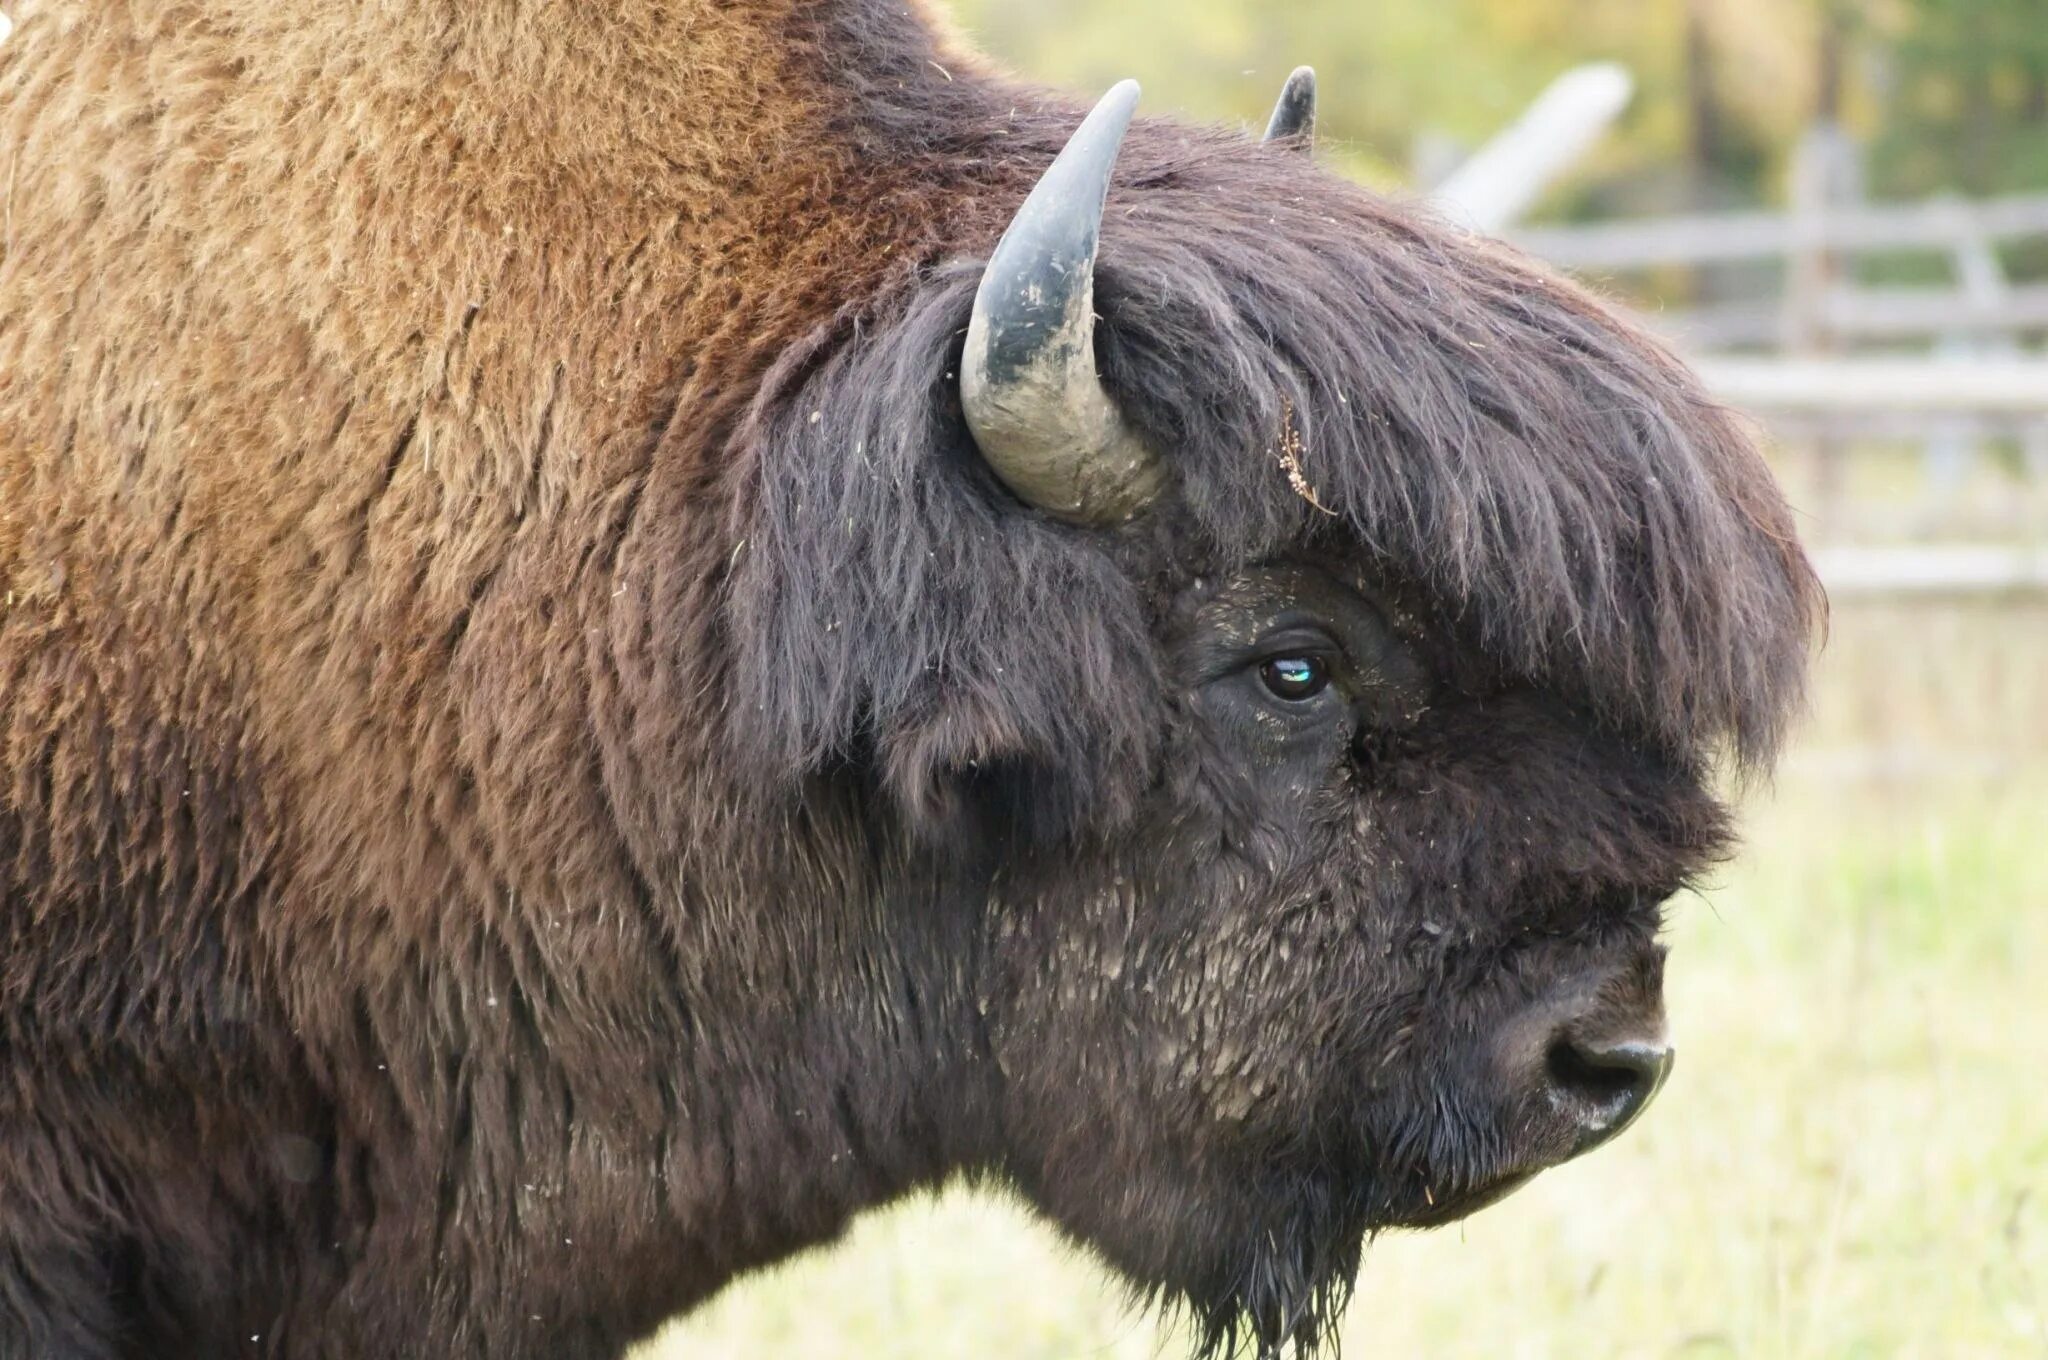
{"x": 1282, "y": 1282}
{"x": 1258, "y": 1255}
{"x": 1277, "y": 1282}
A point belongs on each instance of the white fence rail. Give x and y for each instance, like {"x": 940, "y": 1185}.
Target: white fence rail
{"x": 1866, "y": 384}
{"x": 1719, "y": 238}
{"x": 1931, "y": 571}
{"x": 1500, "y": 181}
{"x": 1861, "y": 315}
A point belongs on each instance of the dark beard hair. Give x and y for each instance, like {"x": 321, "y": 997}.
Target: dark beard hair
{"x": 1288, "y": 1287}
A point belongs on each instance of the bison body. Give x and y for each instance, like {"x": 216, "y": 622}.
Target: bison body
{"x": 542, "y": 765}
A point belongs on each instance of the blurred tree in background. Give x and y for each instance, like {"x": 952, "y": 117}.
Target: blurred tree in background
{"x": 1943, "y": 94}
{"x": 1962, "y": 96}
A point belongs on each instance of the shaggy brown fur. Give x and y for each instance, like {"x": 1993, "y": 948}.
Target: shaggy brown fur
{"x": 518, "y": 706}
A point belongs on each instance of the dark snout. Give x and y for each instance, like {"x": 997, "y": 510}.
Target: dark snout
{"x": 1590, "y": 1054}
{"x": 1603, "y": 1084}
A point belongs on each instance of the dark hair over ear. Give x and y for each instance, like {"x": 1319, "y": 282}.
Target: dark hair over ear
{"x": 891, "y": 601}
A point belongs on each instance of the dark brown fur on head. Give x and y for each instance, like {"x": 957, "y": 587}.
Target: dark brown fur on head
{"x": 539, "y": 769}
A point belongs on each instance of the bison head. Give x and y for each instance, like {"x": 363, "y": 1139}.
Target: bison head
{"x": 1291, "y": 644}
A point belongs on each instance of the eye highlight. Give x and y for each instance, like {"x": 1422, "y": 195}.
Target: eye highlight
{"x": 1295, "y": 678}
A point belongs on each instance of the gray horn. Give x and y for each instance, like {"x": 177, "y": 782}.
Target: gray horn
{"x": 1028, "y": 383}
{"x": 1294, "y": 115}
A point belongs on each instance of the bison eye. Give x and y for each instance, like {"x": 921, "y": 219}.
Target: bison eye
{"x": 1295, "y": 678}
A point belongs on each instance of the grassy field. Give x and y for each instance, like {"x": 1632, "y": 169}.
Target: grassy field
{"x": 1852, "y": 1156}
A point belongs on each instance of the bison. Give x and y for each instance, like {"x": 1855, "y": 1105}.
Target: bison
{"x": 631, "y": 627}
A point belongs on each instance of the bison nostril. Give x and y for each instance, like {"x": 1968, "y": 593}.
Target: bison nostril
{"x": 1604, "y": 1084}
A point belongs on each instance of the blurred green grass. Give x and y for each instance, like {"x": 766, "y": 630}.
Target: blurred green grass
{"x": 1851, "y": 1159}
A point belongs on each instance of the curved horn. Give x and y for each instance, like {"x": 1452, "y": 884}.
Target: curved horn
{"x": 1028, "y": 384}
{"x": 1295, "y": 112}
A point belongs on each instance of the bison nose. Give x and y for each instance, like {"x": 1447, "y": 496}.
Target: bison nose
{"x": 1602, "y": 1080}
{"x": 1583, "y": 1058}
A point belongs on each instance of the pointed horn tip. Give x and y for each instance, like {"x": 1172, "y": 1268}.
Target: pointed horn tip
{"x": 1114, "y": 110}
{"x": 1092, "y": 148}
{"x": 1294, "y": 113}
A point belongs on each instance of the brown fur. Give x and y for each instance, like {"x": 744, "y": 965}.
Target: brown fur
{"x": 331, "y": 335}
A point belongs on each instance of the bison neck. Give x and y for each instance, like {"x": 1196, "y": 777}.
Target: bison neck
{"x": 791, "y": 1080}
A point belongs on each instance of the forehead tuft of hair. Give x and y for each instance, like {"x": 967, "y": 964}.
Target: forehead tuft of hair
{"x": 1315, "y": 360}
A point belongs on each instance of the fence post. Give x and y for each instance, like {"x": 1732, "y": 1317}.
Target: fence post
{"x": 1809, "y": 267}
{"x": 1823, "y": 174}
{"x": 1948, "y": 453}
